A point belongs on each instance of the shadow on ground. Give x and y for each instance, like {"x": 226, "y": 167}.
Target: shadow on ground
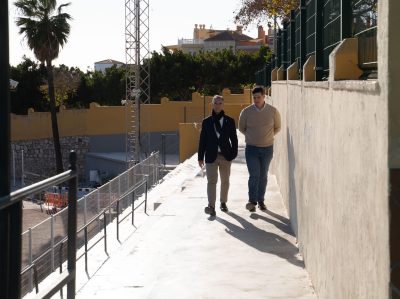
{"x": 263, "y": 240}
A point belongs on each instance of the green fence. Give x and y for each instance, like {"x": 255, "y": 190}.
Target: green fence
{"x": 316, "y": 27}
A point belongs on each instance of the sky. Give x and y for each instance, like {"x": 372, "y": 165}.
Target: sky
{"x": 98, "y": 28}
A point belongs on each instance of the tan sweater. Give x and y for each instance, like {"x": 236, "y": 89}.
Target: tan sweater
{"x": 259, "y": 126}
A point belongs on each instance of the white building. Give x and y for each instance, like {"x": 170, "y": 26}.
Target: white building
{"x": 101, "y": 66}
{"x": 213, "y": 40}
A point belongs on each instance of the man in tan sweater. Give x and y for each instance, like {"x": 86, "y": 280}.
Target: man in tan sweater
{"x": 259, "y": 123}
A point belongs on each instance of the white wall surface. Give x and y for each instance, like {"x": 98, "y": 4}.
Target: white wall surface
{"x": 331, "y": 162}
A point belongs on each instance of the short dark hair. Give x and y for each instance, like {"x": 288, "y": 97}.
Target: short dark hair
{"x": 258, "y": 88}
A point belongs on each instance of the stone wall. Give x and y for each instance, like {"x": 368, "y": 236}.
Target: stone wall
{"x": 39, "y": 157}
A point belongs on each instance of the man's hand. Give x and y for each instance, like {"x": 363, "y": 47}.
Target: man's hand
{"x": 201, "y": 163}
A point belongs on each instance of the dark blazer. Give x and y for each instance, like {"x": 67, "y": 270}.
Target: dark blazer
{"x": 208, "y": 144}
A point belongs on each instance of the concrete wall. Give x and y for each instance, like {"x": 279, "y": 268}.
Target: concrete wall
{"x": 331, "y": 163}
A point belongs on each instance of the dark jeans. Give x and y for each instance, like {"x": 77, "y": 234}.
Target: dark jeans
{"x": 258, "y": 160}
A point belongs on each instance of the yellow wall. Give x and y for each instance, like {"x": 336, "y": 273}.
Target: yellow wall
{"x": 110, "y": 120}
{"x": 189, "y": 135}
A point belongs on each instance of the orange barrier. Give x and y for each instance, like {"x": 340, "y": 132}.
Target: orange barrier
{"x": 55, "y": 201}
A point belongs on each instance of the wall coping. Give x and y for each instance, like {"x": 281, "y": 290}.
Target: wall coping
{"x": 295, "y": 82}
{"x": 316, "y": 84}
{"x": 369, "y": 86}
{"x": 280, "y": 82}
{"x": 356, "y": 85}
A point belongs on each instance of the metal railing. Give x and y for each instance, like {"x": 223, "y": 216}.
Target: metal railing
{"x": 69, "y": 176}
{"x": 43, "y": 243}
{"x": 316, "y": 27}
{"x": 133, "y": 209}
{"x": 263, "y": 76}
{"x": 310, "y": 28}
{"x": 365, "y": 29}
{"x": 187, "y": 41}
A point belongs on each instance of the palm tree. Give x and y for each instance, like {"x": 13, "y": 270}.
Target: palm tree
{"x": 45, "y": 33}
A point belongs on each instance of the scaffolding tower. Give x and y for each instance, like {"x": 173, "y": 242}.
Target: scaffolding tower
{"x": 137, "y": 54}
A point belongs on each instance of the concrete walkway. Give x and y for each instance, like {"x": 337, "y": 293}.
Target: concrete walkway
{"x": 177, "y": 251}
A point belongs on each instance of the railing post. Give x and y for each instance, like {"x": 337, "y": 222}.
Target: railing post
{"x": 133, "y": 207}
{"x": 292, "y": 37}
{"x": 60, "y": 265}
{"x": 13, "y": 159}
{"x": 319, "y": 40}
{"x": 52, "y": 241}
{"x": 22, "y": 169}
{"x": 278, "y": 60}
{"x": 60, "y": 257}
{"x": 118, "y": 219}
{"x": 84, "y": 210}
{"x": 346, "y": 19}
{"x": 30, "y": 259}
{"x": 105, "y": 232}
{"x": 98, "y": 209}
{"x": 119, "y": 186}
{"x": 86, "y": 242}
{"x": 163, "y": 148}
{"x": 109, "y": 205}
{"x": 145, "y": 198}
{"x": 157, "y": 174}
{"x": 154, "y": 170}
{"x": 303, "y": 32}
{"x": 284, "y": 47}
{"x": 35, "y": 275}
{"x": 72, "y": 197}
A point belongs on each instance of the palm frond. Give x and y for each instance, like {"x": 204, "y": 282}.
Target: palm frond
{"x": 27, "y": 7}
{"x": 44, "y": 31}
{"x": 63, "y": 5}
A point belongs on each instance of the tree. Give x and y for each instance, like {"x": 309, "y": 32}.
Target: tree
{"x": 176, "y": 75}
{"x": 45, "y": 32}
{"x": 262, "y": 10}
{"x": 66, "y": 83}
{"x": 30, "y": 76}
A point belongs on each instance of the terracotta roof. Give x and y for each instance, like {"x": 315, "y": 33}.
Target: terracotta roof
{"x": 229, "y": 35}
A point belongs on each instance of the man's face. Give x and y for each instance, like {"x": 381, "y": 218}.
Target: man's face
{"x": 218, "y": 105}
{"x": 258, "y": 99}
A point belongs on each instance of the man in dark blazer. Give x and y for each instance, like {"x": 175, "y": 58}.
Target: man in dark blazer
{"x": 219, "y": 144}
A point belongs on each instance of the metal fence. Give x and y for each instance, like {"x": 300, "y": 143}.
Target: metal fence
{"x": 365, "y": 29}
{"x": 263, "y": 76}
{"x": 316, "y": 27}
{"x": 69, "y": 230}
{"x": 42, "y": 245}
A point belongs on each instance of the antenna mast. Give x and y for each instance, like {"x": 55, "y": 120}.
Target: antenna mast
{"x": 137, "y": 53}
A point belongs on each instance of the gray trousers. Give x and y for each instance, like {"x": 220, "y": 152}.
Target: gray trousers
{"x": 224, "y": 167}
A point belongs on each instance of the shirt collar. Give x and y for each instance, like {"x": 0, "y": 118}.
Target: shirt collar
{"x": 265, "y": 105}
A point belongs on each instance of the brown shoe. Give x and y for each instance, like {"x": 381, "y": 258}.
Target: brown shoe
{"x": 251, "y": 206}
{"x": 262, "y": 206}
